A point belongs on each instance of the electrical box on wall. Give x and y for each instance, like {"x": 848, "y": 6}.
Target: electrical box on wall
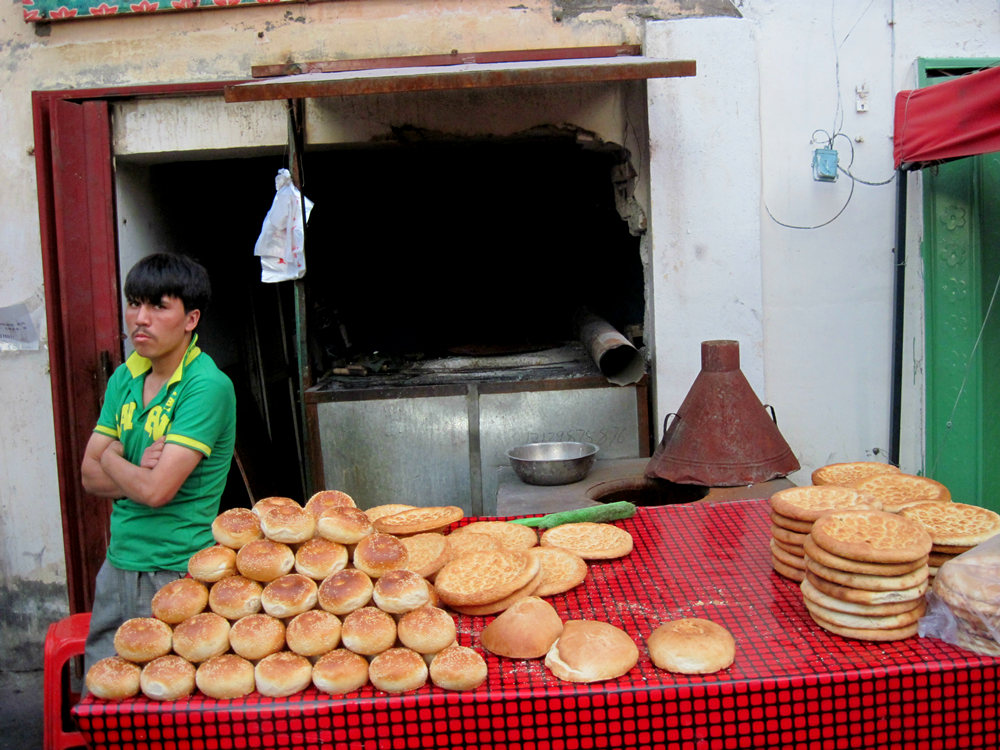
{"x": 825, "y": 165}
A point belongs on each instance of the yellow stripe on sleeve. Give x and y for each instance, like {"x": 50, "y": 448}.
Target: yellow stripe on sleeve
{"x": 109, "y": 431}
{"x": 189, "y": 443}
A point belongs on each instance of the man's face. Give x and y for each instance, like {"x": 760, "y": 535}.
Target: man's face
{"x": 158, "y": 328}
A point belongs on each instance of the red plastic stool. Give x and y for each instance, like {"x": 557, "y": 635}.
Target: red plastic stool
{"x": 63, "y": 641}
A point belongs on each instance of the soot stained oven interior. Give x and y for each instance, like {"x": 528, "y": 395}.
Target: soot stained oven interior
{"x": 417, "y": 249}
{"x": 430, "y": 248}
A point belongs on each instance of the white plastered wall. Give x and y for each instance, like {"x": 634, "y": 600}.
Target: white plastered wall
{"x": 704, "y": 192}
{"x": 754, "y": 249}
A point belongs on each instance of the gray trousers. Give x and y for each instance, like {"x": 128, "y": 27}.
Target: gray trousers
{"x": 120, "y": 595}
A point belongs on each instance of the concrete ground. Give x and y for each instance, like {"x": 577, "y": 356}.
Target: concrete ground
{"x": 21, "y": 710}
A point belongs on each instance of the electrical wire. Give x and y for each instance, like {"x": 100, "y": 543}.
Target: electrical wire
{"x": 838, "y": 112}
{"x": 829, "y": 141}
{"x": 838, "y": 121}
{"x": 813, "y": 226}
{"x": 847, "y": 171}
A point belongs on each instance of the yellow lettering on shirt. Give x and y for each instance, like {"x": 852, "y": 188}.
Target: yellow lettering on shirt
{"x": 128, "y": 410}
{"x": 157, "y": 422}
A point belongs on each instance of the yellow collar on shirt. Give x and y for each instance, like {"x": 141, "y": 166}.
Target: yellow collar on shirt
{"x": 139, "y": 365}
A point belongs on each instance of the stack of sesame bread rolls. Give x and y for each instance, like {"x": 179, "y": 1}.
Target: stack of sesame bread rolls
{"x": 294, "y": 595}
{"x": 328, "y": 595}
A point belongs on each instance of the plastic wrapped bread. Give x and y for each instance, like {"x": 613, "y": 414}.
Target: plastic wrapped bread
{"x": 964, "y": 601}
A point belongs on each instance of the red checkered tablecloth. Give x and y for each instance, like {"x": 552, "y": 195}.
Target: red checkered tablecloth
{"x": 793, "y": 685}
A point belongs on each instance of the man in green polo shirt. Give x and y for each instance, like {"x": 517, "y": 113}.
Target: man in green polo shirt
{"x": 162, "y": 447}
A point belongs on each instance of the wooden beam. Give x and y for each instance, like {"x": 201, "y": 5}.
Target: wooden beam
{"x": 472, "y": 76}
{"x": 453, "y": 58}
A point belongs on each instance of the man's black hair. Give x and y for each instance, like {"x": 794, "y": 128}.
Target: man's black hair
{"x": 172, "y": 275}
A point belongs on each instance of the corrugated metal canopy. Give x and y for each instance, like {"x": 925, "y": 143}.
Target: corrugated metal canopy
{"x": 451, "y": 77}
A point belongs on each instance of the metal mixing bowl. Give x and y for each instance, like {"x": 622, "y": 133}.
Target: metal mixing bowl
{"x": 552, "y": 463}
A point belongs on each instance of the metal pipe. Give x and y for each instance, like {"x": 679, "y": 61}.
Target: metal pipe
{"x": 899, "y": 276}
{"x": 618, "y": 360}
{"x": 296, "y": 147}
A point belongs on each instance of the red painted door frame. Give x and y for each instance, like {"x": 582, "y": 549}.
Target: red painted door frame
{"x": 76, "y": 199}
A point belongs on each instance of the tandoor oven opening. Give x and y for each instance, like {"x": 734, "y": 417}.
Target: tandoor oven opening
{"x": 431, "y": 248}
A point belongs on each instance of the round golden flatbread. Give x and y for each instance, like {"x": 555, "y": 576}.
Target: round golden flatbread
{"x": 511, "y": 535}
{"x": 492, "y": 608}
{"x": 954, "y": 524}
{"x": 787, "y": 571}
{"x": 951, "y": 549}
{"x": 809, "y": 503}
{"x": 561, "y": 570}
{"x": 820, "y": 555}
{"x": 417, "y": 520}
{"x": 426, "y": 552}
{"x": 591, "y": 541}
{"x": 936, "y": 559}
{"x": 788, "y": 537}
{"x": 793, "y": 561}
{"x": 849, "y": 471}
{"x": 868, "y": 634}
{"x": 864, "y": 596}
{"x": 792, "y": 549}
{"x": 877, "y": 622}
{"x": 389, "y": 509}
{"x": 484, "y": 577}
{"x": 792, "y": 524}
{"x": 897, "y": 490}
{"x": 813, "y": 594}
{"x": 871, "y": 536}
{"x": 466, "y": 544}
{"x": 868, "y": 582}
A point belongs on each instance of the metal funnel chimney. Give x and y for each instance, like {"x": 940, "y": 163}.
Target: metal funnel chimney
{"x": 722, "y": 436}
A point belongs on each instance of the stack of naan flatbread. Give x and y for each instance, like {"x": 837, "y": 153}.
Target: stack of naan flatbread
{"x": 864, "y": 559}
{"x": 955, "y": 528}
{"x": 866, "y": 574}
{"x": 493, "y": 564}
{"x": 793, "y": 512}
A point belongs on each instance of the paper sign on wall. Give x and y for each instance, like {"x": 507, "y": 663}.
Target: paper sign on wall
{"x": 17, "y": 331}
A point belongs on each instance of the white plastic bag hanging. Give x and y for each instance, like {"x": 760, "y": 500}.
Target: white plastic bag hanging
{"x": 280, "y": 245}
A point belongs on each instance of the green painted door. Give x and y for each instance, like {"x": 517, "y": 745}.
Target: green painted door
{"x": 961, "y": 251}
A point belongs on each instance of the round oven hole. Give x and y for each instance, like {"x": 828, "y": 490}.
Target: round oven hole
{"x": 645, "y": 491}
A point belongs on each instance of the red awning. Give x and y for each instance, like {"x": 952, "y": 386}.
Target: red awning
{"x": 949, "y": 120}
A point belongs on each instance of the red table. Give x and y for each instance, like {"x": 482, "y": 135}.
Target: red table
{"x": 792, "y": 685}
